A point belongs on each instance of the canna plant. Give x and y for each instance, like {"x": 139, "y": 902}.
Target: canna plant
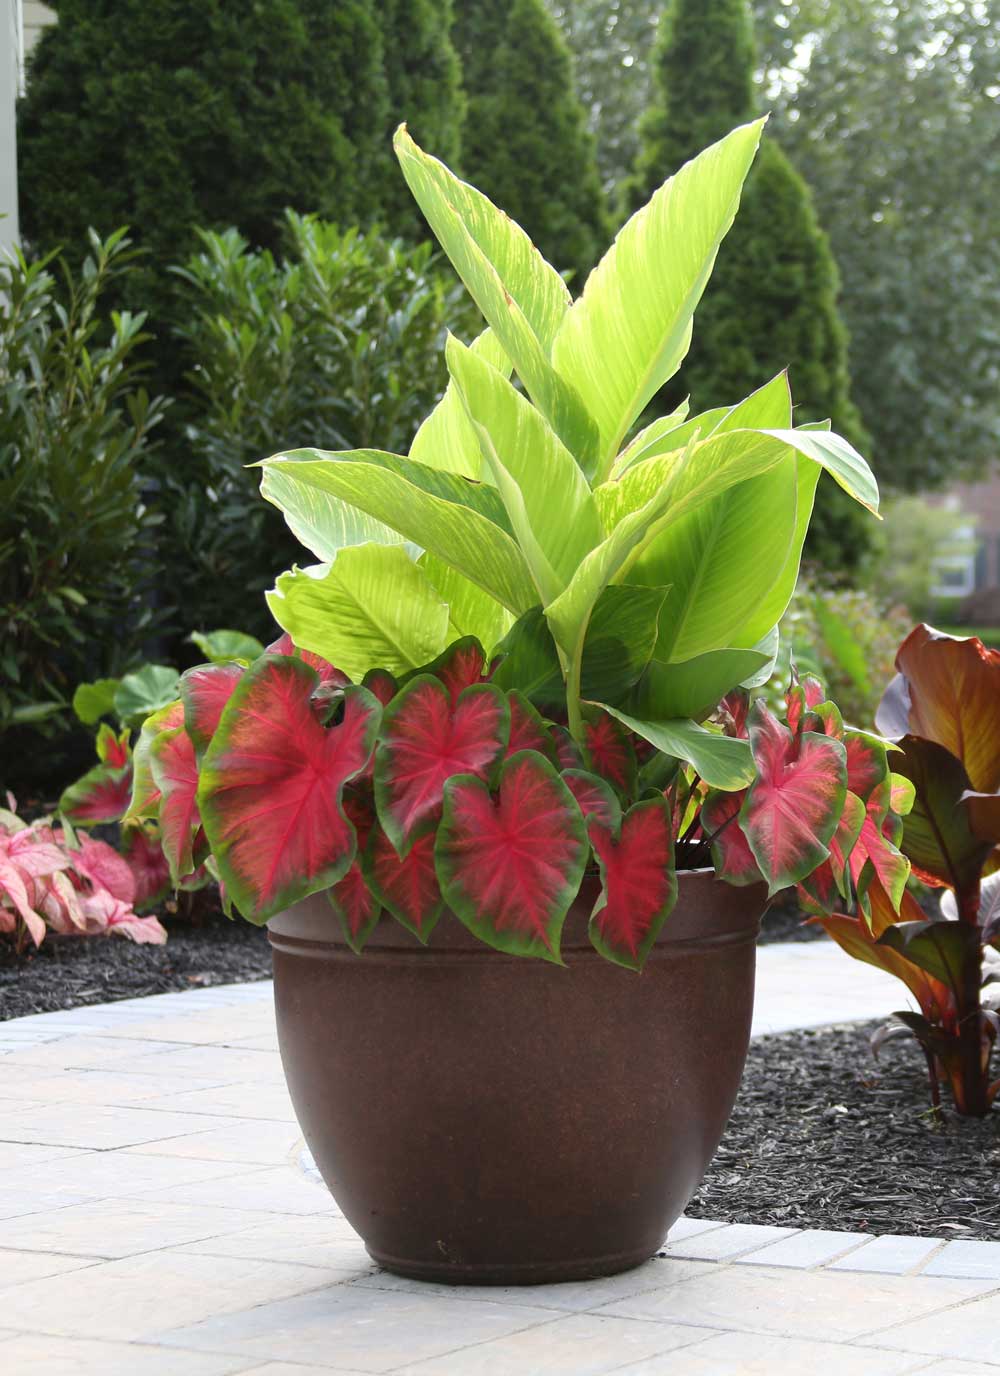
{"x": 499, "y": 688}
{"x": 942, "y": 712}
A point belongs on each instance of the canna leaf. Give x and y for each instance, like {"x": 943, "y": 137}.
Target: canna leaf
{"x": 947, "y": 691}
{"x": 940, "y": 947}
{"x": 446, "y": 439}
{"x": 793, "y": 806}
{"x": 464, "y": 523}
{"x": 271, "y": 786}
{"x": 510, "y": 864}
{"x": 639, "y": 883}
{"x": 529, "y": 465}
{"x": 720, "y": 760}
{"x": 693, "y": 689}
{"x": 937, "y": 835}
{"x": 471, "y": 611}
{"x": 629, "y": 331}
{"x": 425, "y": 739}
{"x": 521, "y": 296}
{"x": 320, "y": 520}
{"x": 371, "y": 608}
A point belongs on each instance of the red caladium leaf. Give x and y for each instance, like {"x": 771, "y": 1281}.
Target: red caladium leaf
{"x": 568, "y": 753}
{"x": 825, "y": 719}
{"x": 610, "y": 752}
{"x": 107, "y": 869}
{"x": 527, "y": 729}
{"x": 829, "y": 883}
{"x": 175, "y": 771}
{"x": 145, "y": 799}
{"x": 595, "y": 798}
{"x": 204, "y": 693}
{"x": 731, "y": 854}
{"x": 325, "y": 671}
{"x": 426, "y": 738}
{"x": 458, "y": 667}
{"x": 381, "y": 684}
{"x": 867, "y": 763}
{"x": 639, "y": 882}
{"x": 356, "y": 906}
{"x": 947, "y": 691}
{"x": 803, "y": 694}
{"x": 102, "y": 795}
{"x": 732, "y": 712}
{"x": 144, "y": 856}
{"x": 271, "y": 785}
{"x": 114, "y": 750}
{"x": 792, "y": 808}
{"x": 409, "y": 887}
{"x": 510, "y": 864}
{"x": 875, "y": 852}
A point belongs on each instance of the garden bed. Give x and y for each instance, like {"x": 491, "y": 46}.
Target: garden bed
{"x": 70, "y": 972}
{"x": 824, "y": 1136}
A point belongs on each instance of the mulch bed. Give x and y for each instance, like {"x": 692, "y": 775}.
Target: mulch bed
{"x": 824, "y": 1136}
{"x": 70, "y": 972}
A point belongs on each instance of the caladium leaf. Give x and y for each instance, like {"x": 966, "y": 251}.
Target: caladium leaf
{"x": 639, "y": 882}
{"x": 408, "y": 887}
{"x": 113, "y": 748}
{"x": 610, "y": 752}
{"x": 731, "y": 854}
{"x": 803, "y": 695}
{"x": 875, "y": 850}
{"x": 205, "y": 691}
{"x": 175, "y": 773}
{"x": 458, "y": 667}
{"x": 145, "y": 796}
{"x": 325, "y": 671}
{"x": 425, "y": 739}
{"x": 356, "y": 906}
{"x": 101, "y": 795}
{"x": 595, "y": 798}
{"x": 947, "y": 691}
{"x": 792, "y": 808}
{"x": 150, "y": 868}
{"x": 830, "y": 881}
{"x": 271, "y": 785}
{"x": 867, "y": 763}
{"x": 527, "y": 729}
{"x": 510, "y": 864}
{"x": 381, "y": 684}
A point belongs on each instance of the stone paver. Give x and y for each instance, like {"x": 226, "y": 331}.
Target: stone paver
{"x": 159, "y": 1214}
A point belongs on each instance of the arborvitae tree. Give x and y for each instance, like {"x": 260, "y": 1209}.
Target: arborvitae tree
{"x": 424, "y": 81}
{"x": 525, "y": 141}
{"x": 168, "y": 114}
{"x": 772, "y": 299}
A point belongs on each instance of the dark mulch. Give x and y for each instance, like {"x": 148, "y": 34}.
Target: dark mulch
{"x": 783, "y": 921}
{"x": 823, "y": 1136}
{"x": 69, "y": 972}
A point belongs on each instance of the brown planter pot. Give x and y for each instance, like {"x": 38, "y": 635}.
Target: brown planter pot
{"x": 481, "y": 1118}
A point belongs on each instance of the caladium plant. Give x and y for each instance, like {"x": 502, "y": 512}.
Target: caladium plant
{"x": 498, "y": 689}
{"x": 942, "y": 713}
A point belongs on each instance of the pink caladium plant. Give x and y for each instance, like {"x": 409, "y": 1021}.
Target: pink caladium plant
{"x": 51, "y": 879}
{"x": 443, "y": 796}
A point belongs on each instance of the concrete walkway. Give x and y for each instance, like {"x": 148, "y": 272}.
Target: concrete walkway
{"x": 159, "y": 1217}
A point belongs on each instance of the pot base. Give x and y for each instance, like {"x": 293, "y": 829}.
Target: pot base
{"x": 529, "y": 1273}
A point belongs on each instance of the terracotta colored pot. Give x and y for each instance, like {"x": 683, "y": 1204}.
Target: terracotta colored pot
{"x": 483, "y": 1118}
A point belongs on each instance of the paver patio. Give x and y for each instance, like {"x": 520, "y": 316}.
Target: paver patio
{"x": 159, "y": 1216}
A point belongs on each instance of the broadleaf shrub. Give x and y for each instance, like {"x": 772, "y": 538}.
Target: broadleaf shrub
{"x": 76, "y": 434}
{"x": 336, "y": 343}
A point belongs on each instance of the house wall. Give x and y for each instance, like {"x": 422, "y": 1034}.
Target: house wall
{"x": 36, "y": 17}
